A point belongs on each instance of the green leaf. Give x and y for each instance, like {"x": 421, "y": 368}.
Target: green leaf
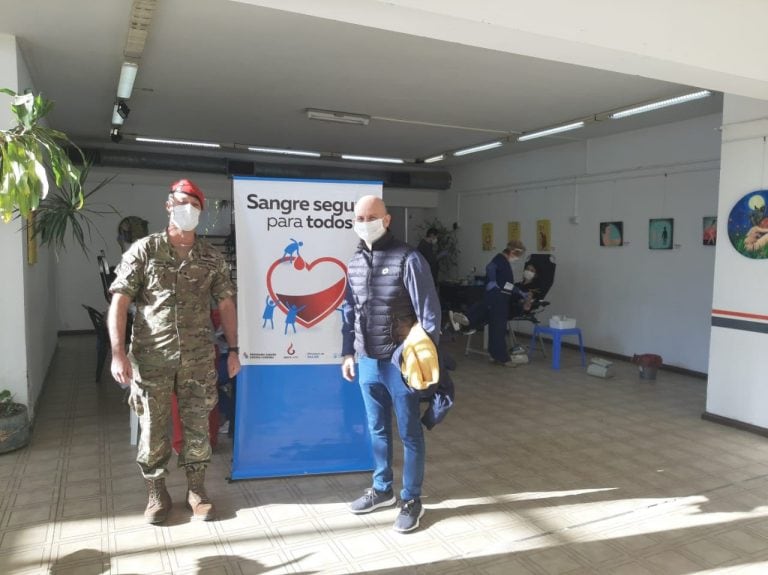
{"x": 32, "y": 157}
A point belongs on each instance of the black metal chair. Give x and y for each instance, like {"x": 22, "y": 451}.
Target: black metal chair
{"x": 542, "y": 283}
{"x": 102, "y": 338}
{"x": 107, "y": 275}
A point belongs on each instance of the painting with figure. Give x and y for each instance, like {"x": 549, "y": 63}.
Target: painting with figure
{"x": 611, "y": 234}
{"x": 661, "y": 233}
{"x": 487, "y": 236}
{"x": 709, "y": 230}
{"x": 543, "y": 236}
{"x": 748, "y": 225}
{"x": 513, "y": 231}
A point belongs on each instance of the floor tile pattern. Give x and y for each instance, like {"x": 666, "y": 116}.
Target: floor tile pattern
{"x": 535, "y": 471}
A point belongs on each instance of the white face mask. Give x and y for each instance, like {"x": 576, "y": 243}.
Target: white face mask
{"x": 513, "y": 259}
{"x": 185, "y": 217}
{"x": 369, "y": 232}
{"x": 528, "y": 274}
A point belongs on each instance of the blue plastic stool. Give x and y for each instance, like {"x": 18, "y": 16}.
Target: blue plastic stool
{"x": 557, "y": 335}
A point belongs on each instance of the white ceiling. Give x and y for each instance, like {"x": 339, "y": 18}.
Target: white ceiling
{"x": 229, "y": 72}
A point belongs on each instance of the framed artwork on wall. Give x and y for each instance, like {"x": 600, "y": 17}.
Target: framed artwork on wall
{"x": 513, "y": 231}
{"x": 611, "y": 234}
{"x": 487, "y": 236}
{"x": 709, "y": 230}
{"x": 661, "y": 233}
{"x": 543, "y": 235}
{"x": 748, "y": 225}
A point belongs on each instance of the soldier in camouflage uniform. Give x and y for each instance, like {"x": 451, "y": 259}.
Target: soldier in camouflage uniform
{"x": 172, "y": 277}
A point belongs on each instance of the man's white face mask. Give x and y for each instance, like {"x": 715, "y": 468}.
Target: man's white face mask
{"x": 185, "y": 217}
{"x": 369, "y": 232}
{"x": 528, "y": 274}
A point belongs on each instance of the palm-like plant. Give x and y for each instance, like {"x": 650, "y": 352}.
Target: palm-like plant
{"x": 64, "y": 210}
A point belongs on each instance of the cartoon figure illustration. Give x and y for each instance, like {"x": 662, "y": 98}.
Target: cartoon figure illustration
{"x": 748, "y": 225}
{"x": 487, "y": 232}
{"x": 290, "y": 318}
{"x": 611, "y": 233}
{"x": 661, "y": 233}
{"x": 709, "y": 235}
{"x": 291, "y": 251}
{"x": 757, "y": 205}
{"x": 269, "y": 312}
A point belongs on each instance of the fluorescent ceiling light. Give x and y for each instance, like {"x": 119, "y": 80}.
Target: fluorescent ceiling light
{"x": 127, "y": 78}
{"x": 434, "y": 159}
{"x": 177, "y": 142}
{"x": 340, "y": 117}
{"x": 550, "y": 131}
{"x": 284, "y": 152}
{"x": 661, "y": 104}
{"x": 372, "y": 159}
{"x": 117, "y": 119}
{"x": 480, "y": 148}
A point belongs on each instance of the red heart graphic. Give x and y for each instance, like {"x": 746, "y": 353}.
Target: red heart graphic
{"x": 316, "y": 305}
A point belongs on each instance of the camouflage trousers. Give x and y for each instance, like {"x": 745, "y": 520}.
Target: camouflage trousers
{"x": 196, "y": 392}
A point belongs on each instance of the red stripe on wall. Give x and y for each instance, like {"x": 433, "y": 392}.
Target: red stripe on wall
{"x": 739, "y": 314}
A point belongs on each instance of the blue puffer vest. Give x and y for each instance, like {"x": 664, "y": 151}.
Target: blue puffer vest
{"x": 383, "y": 311}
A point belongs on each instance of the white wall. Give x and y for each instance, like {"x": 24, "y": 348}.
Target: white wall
{"x": 736, "y": 387}
{"x": 715, "y": 45}
{"x": 13, "y": 355}
{"x": 28, "y": 329}
{"x": 627, "y": 299}
{"x": 143, "y": 193}
{"x": 40, "y": 313}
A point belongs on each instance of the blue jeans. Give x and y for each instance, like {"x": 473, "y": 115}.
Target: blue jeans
{"x": 383, "y": 389}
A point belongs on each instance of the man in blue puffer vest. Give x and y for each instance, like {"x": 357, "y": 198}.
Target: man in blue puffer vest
{"x": 390, "y": 289}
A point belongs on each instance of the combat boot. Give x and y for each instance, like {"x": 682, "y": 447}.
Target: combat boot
{"x": 197, "y": 498}
{"x": 158, "y": 501}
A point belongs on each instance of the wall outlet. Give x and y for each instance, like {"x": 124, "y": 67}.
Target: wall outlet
{"x": 574, "y": 220}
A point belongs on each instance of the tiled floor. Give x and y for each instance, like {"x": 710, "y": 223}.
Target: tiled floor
{"x": 534, "y": 472}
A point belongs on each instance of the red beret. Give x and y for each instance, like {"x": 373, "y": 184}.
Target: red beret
{"x": 189, "y": 188}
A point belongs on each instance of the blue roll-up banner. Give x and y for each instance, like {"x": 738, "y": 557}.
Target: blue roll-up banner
{"x": 295, "y": 414}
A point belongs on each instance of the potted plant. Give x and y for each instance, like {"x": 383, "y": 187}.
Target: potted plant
{"x": 33, "y": 159}
{"x": 14, "y": 423}
{"x": 447, "y": 245}
{"x": 29, "y": 152}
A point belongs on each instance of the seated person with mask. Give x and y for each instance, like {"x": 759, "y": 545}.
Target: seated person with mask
{"x": 530, "y": 285}
{"x": 500, "y": 290}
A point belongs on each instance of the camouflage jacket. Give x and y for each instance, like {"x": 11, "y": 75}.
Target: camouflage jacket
{"x": 173, "y": 299}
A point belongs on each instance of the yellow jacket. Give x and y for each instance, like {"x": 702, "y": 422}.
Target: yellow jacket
{"x": 419, "y": 363}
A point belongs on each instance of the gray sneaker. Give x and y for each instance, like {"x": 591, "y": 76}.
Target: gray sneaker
{"x": 371, "y": 500}
{"x": 458, "y": 320}
{"x": 410, "y": 513}
{"x": 454, "y": 324}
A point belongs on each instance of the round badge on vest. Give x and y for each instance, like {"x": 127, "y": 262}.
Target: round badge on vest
{"x": 385, "y": 271}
